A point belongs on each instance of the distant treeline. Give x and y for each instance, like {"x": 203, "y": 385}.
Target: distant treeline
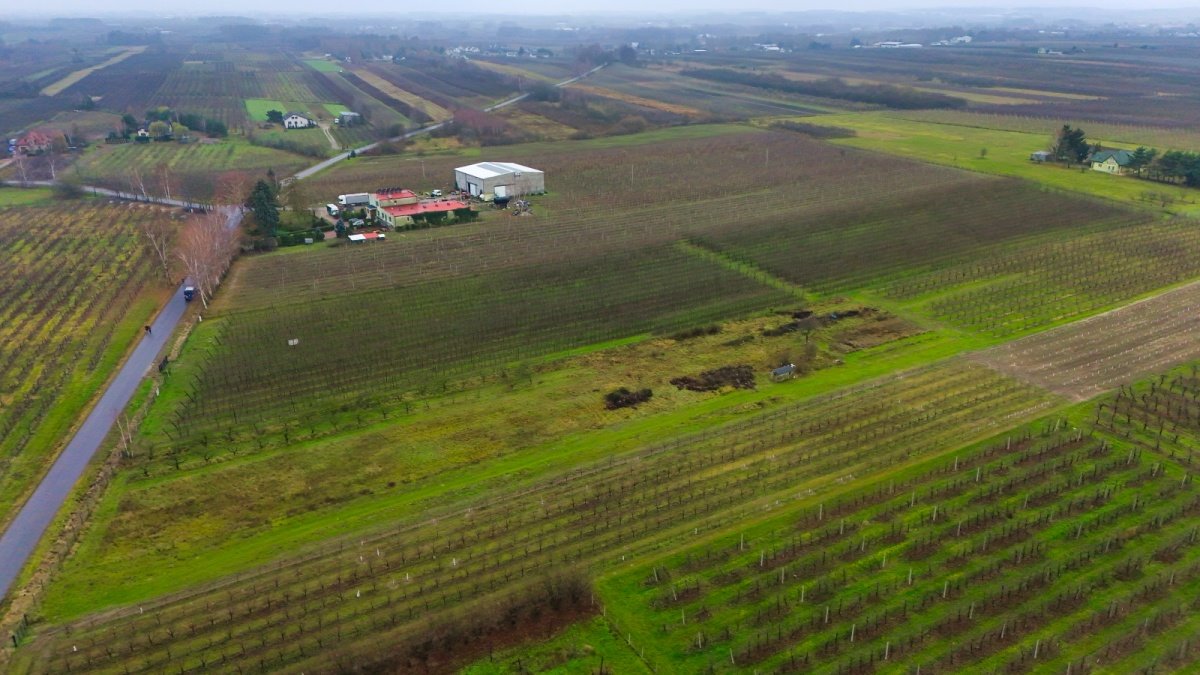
{"x": 814, "y": 130}
{"x": 877, "y": 94}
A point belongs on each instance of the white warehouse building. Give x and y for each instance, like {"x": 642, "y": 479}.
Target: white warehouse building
{"x": 483, "y": 179}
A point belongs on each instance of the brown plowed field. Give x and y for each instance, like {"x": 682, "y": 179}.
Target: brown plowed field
{"x": 1085, "y": 358}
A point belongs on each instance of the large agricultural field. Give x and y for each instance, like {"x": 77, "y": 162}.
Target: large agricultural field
{"x": 800, "y": 364}
{"x": 600, "y": 288}
{"x": 78, "y": 285}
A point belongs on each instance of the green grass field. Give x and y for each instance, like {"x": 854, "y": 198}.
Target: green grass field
{"x": 25, "y": 196}
{"x": 323, "y": 65}
{"x": 257, "y": 108}
{"x": 999, "y": 152}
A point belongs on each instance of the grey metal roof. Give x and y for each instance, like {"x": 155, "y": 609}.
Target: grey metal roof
{"x": 493, "y": 169}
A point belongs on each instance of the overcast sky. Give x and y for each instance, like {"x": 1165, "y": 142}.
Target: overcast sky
{"x": 90, "y": 7}
{"x": 47, "y": 8}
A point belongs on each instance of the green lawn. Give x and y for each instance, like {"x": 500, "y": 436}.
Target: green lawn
{"x": 11, "y": 196}
{"x": 1007, "y": 154}
{"x": 323, "y": 65}
{"x": 257, "y": 108}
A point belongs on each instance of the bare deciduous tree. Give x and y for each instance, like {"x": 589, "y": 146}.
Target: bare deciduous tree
{"x": 166, "y": 179}
{"x": 232, "y": 187}
{"x": 206, "y": 247}
{"x": 136, "y": 183}
{"x": 158, "y": 233}
{"x": 19, "y": 160}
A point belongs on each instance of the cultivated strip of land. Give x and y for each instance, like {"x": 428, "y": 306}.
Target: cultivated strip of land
{"x": 57, "y": 87}
{"x": 1083, "y": 359}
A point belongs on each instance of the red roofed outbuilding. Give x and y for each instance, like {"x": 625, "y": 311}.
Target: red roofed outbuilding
{"x": 401, "y": 215}
{"x": 34, "y": 143}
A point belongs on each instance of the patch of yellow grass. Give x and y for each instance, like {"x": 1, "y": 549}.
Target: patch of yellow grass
{"x": 57, "y": 87}
{"x": 638, "y": 100}
{"x": 1049, "y": 94}
{"x": 544, "y": 127}
{"x": 430, "y": 108}
{"x": 973, "y": 97}
{"x": 512, "y": 70}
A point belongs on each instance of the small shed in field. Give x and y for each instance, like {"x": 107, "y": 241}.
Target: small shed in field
{"x": 482, "y": 179}
{"x": 1041, "y": 156}
{"x": 782, "y": 373}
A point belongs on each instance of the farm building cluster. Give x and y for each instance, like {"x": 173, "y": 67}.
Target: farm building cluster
{"x": 399, "y": 208}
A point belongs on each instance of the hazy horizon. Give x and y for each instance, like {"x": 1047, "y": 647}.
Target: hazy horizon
{"x": 149, "y": 9}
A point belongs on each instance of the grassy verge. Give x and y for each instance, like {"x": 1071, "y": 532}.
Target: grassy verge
{"x": 998, "y": 152}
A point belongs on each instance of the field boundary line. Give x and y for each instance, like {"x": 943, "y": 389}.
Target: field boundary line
{"x": 746, "y": 269}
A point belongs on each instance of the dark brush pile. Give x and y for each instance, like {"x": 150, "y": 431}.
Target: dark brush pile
{"x": 624, "y": 398}
{"x": 738, "y": 377}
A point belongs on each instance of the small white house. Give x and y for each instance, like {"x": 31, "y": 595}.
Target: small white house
{"x": 1111, "y": 161}
{"x": 296, "y": 121}
{"x": 479, "y": 180}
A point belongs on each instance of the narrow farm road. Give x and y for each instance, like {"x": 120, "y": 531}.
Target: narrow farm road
{"x": 328, "y": 134}
{"x": 321, "y": 166}
{"x": 22, "y": 536}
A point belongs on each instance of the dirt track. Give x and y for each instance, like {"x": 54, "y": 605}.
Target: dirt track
{"x": 1089, "y": 357}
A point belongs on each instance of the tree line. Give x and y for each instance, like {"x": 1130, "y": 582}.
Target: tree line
{"x": 1173, "y": 166}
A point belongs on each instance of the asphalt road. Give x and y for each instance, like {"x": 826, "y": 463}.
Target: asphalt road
{"x": 22, "y": 536}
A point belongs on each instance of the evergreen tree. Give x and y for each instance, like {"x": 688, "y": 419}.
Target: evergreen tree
{"x": 263, "y": 203}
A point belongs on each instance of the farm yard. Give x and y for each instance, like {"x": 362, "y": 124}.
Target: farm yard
{"x": 801, "y": 364}
{"x": 77, "y": 287}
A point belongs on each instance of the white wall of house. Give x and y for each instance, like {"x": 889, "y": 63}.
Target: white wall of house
{"x": 295, "y": 122}
{"x": 1107, "y": 166}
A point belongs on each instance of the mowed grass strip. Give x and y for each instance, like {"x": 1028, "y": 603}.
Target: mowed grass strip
{"x": 58, "y": 87}
{"x": 998, "y": 152}
{"x": 323, "y": 65}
